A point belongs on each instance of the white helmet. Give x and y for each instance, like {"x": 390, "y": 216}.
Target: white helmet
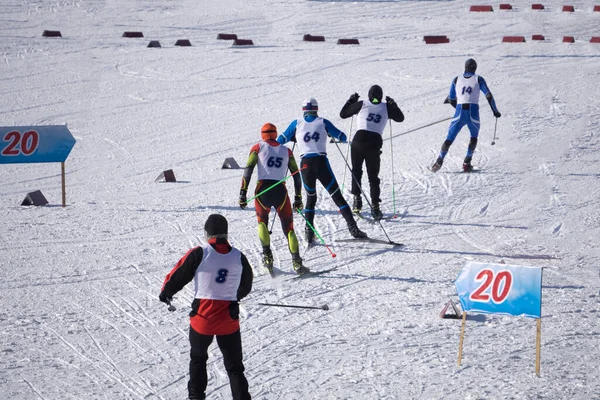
{"x": 310, "y": 105}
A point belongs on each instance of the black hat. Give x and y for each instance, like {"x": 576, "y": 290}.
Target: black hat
{"x": 470, "y": 66}
{"x": 216, "y": 225}
{"x": 375, "y": 94}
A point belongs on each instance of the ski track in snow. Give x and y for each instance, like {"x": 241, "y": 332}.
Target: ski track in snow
{"x": 81, "y": 318}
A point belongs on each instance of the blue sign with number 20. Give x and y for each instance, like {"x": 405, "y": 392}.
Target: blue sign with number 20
{"x": 500, "y": 289}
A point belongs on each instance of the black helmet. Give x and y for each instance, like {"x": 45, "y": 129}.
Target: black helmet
{"x": 375, "y": 94}
{"x": 216, "y": 226}
{"x": 470, "y": 66}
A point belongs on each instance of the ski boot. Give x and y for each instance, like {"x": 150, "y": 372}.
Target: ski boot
{"x": 467, "y": 167}
{"x": 309, "y": 234}
{"x": 298, "y": 267}
{"x": 355, "y": 231}
{"x": 357, "y": 205}
{"x": 437, "y": 165}
{"x": 376, "y": 212}
{"x": 268, "y": 261}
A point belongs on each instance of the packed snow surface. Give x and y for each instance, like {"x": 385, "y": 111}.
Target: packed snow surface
{"x": 80, "y": 316}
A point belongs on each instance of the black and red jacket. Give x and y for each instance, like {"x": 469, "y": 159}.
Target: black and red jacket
{"x": 209, "y": 317}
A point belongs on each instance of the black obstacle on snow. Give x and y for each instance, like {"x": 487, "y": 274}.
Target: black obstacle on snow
{"x": 183, "y": 42}
{"x": 154, "y": 43}
{"x": 243, "y": 42}
{"x": 348, "y": 41}
{"x": 52, "y": 34}
{"x": 230, "y": 163}
{"x": 227, "y": 36}
{"x": 436, "y": 39}
{"x": 132, "y": 34}
{"x": 166, "y": 176}
{"x": 310, "y": 38}
{"x": 34, "y": 199}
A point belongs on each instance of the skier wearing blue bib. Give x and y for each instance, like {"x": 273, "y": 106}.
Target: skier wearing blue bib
{"x": 311, "y": 132}
{"x": 464, "y": 96}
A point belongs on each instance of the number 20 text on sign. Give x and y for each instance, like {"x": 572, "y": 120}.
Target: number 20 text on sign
{"x": 500, "y": 289}
{"x": 35, "y": 144}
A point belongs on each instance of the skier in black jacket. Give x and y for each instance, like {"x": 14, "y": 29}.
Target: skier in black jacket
{"x": 366, "y": 145}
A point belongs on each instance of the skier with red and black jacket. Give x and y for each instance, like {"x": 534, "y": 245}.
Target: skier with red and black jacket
{"x": 222, "y": 276}
{"x": 372, "y": 116}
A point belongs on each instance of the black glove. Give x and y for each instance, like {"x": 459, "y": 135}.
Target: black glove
{"x": 163, "y": 297}
{"x": 451, "y": 102}
{"x": 354, "y": 98}
{"x": 242, "y": 202}
{"x": 234, "y": 310}
{"x": 389, "y": 100}
{"x": 497, "y": 114}
{"x": 298, "y": 202}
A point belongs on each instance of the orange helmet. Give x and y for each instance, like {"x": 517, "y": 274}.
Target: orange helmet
{"x": 268, "y": 131}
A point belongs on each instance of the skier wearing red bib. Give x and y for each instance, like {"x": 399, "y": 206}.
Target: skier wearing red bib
{"x": 222, "y": 276}
{"x": 273, "y": 161}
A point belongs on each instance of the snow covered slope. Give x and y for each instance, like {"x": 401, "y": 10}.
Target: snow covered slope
{"x": 80, "y": 315}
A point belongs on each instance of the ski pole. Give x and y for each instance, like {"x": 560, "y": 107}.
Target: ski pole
{"x": 323, "y": 307}
{"x": 421, "y": 127}
{"x": 317, "y": 233}
{"x": 393, "y": 183}
{"x": 363, "y": 193}
{"x": 275, "y": 213}
{"x": 347, "y": 151}
{"x": 275, "y": 184}
{"x": 495, "y": 126}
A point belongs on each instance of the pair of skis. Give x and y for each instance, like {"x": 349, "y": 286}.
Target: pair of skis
{"x": 468, "y": 171}
{"x": 352, "y": 240}
{"x": 273, "y": 274}
{"x": 277, "y": 274}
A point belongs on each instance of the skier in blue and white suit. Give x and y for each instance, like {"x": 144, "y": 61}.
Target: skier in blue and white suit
{"x": 311, "y": 132}
{"x": 464, "y": 96}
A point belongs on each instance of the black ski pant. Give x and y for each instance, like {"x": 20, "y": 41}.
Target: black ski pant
{"x": 318, "y": 168}
{"x": 231, "y": 348}
{"x": 371, "y": 156}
